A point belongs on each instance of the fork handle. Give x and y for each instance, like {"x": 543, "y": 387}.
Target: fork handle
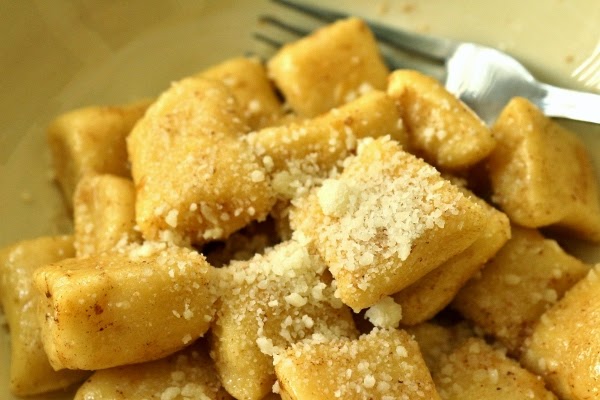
{"x": 571, "y": 104}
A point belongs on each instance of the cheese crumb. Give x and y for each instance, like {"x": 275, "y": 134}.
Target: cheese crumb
{"x": 512, "y": 279}
{"x": 369, "y": 381}
{"x": 333, "y": 197}
{"x": 276, "y": 388}
{"x": 171, "y": 218}
{"x": 257, "y": 176}
{"x": 170, "y": 393}
{"x": 401, "y": 351}
{"x": 187, "y": 313}
{"x": 385, "y": 314}
{"x": 295, "y": 299}
{"x": 265, "y": 345}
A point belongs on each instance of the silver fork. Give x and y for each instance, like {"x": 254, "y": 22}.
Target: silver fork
{"x": 483, "y": 77}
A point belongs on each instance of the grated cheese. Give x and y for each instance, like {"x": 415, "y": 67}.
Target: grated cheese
{"x": 385, "y": 314}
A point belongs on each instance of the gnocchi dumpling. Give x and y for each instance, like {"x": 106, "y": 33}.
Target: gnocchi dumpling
{"x": 387, "y": 221}
{"x": 196, "y": 180}
{"x": 137, "y": 304}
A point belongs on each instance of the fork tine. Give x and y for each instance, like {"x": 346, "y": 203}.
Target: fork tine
{"x": 268, "y": 40}
{"x": 434, "y": 48}
{"x": 269, "y": 19}
{"x": 391, "y": 56}
{"x": 395, "y": 60}
{"x": 588, "y": 72}
{"x": 315, "y": 11}
{"x": 437, "y": 49}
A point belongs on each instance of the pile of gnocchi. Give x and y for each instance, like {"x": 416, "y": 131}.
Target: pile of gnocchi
{"x": 312, "y": 227}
